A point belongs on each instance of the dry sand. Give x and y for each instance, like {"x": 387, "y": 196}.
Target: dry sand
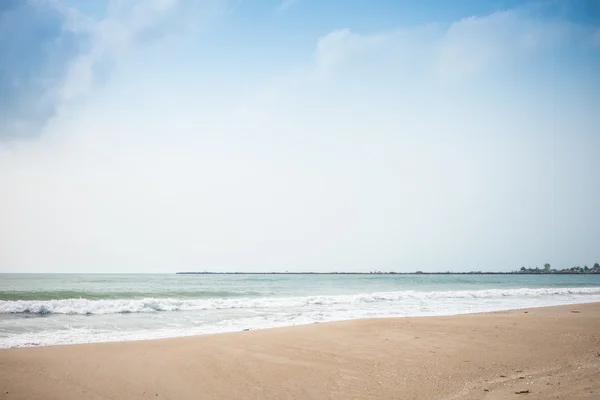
{"x": 550, "y": 352}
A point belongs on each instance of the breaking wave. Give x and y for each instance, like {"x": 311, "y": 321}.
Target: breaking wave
{"x": 81, "y": 306}
{"x": 120, "y": 295}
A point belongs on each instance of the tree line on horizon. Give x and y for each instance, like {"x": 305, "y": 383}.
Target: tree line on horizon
{"x": 549, "y": 270}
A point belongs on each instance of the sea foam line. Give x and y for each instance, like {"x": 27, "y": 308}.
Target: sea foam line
{"x": 120, "y": 306}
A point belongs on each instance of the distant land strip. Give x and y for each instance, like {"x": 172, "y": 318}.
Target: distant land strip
{"x": 547, "y": 270}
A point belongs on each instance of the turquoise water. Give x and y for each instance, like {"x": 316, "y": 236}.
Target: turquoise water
{"x": 38, "y": 309}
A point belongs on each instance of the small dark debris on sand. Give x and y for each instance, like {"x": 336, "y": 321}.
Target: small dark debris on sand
{"x": 522, "y": 392}
{"x": 575, "y": 311}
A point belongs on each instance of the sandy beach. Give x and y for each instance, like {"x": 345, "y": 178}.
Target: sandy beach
{"x": 539, "y": 353}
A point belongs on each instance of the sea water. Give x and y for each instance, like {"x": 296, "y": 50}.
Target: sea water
{"x": 38, "y": 310}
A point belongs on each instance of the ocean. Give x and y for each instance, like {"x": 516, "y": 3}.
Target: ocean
{"x": 52, "y": 309}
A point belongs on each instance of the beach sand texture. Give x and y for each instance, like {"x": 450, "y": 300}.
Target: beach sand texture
{"x": 543, "y": 353}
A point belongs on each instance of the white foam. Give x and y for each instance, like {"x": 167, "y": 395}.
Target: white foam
{"x": 67, "y": 325}
{"x": 102, "y": 307}
{"x": 98, "y": 332}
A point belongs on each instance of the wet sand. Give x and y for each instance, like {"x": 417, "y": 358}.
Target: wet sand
{"x": 544, "y": 353}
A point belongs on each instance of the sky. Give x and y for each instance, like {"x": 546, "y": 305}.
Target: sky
{"x": 298, "y": 135}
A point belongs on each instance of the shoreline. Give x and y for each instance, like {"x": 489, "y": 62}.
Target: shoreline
{"x": 186, "y": 333}
{"x": 242, "y": 328}
{"x": 550, "y": 351}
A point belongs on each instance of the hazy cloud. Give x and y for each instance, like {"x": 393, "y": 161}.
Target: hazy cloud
{"x": 286, "y": 5}
{"x": 433, "y": 147}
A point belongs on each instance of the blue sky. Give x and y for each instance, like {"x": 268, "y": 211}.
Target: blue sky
{"x": 171, "y": 135}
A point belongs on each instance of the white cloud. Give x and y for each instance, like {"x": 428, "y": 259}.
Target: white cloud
{"x": 111, "y": 38}
{"x": 476, "y": 43}
{"x": 337, "y": 47}
{"x": 286, "y": 5}
{"x": 463, "y": 49}
{"x": 358, "y": 160}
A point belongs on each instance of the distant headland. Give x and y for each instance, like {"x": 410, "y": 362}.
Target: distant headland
{"x": 546, "y": 270}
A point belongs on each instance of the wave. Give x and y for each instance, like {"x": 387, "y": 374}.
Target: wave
{"x": 81, "y": 306}
{"x": 113, "y": 295}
